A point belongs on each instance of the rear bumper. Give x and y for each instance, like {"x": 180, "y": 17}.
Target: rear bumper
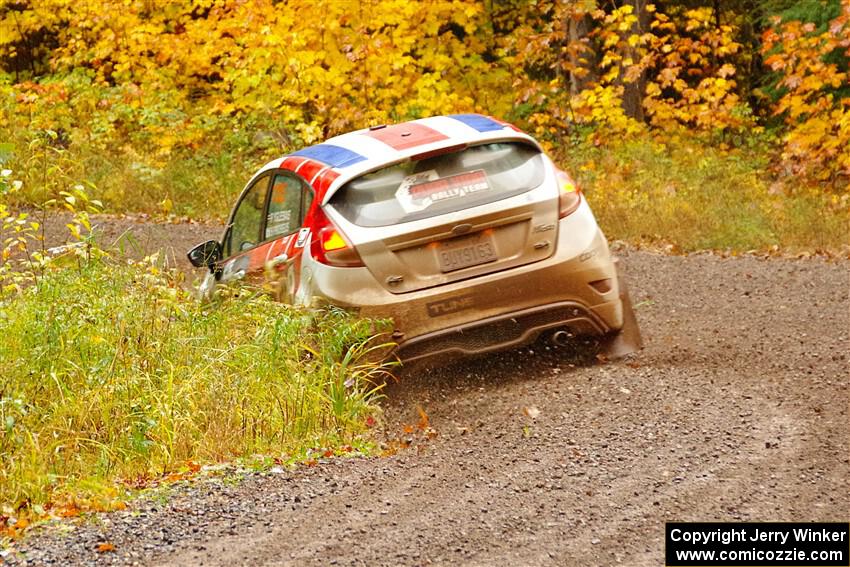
{"x": 494, "y": 311}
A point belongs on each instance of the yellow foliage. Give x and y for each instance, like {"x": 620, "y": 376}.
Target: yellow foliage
{"x": 315, "y": 68}
{"x": 143, "y": 81}
{"x": 693, "y": 85}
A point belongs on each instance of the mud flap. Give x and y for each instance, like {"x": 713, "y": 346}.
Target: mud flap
{"x": 628, "y": 339}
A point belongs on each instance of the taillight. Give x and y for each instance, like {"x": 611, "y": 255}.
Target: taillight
{"x": 569, "y": 196}
{"x": 329, "y": 245}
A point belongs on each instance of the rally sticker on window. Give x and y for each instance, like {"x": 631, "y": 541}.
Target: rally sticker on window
{"x": 278, "y": 222}
{"x": 421, "y": 190}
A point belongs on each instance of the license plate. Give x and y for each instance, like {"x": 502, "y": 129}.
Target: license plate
{"x": 465, "y": 252}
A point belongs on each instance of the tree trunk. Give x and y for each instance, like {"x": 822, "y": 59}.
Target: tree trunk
{"x": 577, "y": 30}
{"x": 633, "y": 91}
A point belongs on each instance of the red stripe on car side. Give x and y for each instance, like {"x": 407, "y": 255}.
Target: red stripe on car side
{"x": 404, "y": 136}
{"x": 318, "y": 173}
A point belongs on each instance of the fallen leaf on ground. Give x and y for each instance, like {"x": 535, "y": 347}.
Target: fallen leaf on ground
{"x": 423, "y": 418}
{"x": 531, "y": 411}
{"x": 105, "y": 547}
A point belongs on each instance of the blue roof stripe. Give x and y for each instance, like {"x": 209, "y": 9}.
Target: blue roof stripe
{"x": 334, "y": 156}
{"x": 480, "y": 123}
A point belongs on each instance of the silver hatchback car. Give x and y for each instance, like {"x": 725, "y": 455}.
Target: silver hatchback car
{"x": 459, "y": 228}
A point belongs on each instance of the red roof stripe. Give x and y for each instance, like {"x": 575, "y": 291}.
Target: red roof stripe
{"x": 511, "y": 126}
{"x": 323, "y": 182}
{"x": 407, "y": 135}
{"x": 309, "y": 169}
{"x": 291, "y": 163}
{"x": 318, "y": 173}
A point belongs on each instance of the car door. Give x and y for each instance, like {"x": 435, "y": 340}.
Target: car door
{"x": 261, "y": 242}
{"x": 242, "y": 235}
{"x": 289, "y": 201}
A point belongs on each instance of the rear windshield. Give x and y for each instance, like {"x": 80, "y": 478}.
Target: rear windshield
{"x": 450, "y": 182}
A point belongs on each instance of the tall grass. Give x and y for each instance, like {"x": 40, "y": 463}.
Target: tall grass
{"x": 111, "y": 370}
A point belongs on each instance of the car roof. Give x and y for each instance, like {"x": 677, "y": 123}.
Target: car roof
{"x": 330, "y": 164}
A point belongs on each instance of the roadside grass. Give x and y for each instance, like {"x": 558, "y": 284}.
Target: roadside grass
{"x": 111, "y": 371}
{"x": 681, "y": 192}
{"x": 200, "y": 185}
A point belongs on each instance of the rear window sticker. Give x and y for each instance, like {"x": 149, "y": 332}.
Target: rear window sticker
{"x": 421, "y": 190}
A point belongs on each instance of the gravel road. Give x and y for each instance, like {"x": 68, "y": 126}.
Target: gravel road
{"x": 737, "y": 409}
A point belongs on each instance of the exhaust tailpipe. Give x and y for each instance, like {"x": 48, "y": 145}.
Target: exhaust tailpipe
{"x": 561, "y": 338}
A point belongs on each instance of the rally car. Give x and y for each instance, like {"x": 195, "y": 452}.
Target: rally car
{"x": 459, "y": 228}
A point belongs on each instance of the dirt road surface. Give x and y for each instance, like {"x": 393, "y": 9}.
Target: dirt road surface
{"x": 736, "y": 410}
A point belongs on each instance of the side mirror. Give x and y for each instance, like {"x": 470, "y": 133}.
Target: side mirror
{"x": 205, "y": 255}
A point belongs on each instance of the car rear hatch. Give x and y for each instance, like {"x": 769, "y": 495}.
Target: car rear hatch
{"x": 443, "y": 218}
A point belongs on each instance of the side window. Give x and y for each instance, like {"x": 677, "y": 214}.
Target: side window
{"x": 290, "y": 198}
{"x": 248, "y": 218}
{"x": 284, "y": 216}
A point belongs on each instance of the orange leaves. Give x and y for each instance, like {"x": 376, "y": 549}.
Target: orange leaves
{"x": 185, "y": 472}
{"x": 423, "y": 425}
{"x": 424, "y": 422}
{"x": 420, "y": 432}
{"x": 15, "y": 522}
{"x": 13, "y": 529}
{"x": 683, "y": 61}
{"x": 688, "y": 82}
{"x": 668, "y": 76}
{"x": 726, "y": 70}
{"x": 817, "y": 141}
